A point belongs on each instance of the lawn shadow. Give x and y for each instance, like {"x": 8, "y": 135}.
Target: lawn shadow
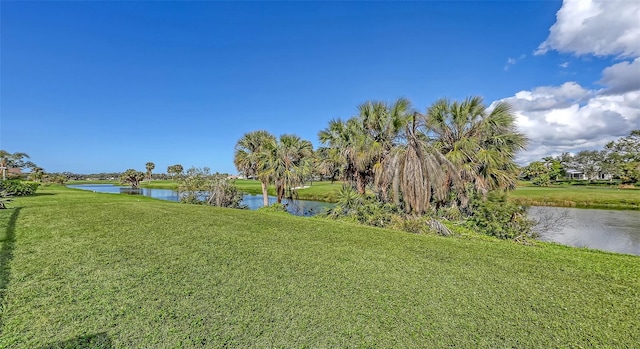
{"x": 6, "y": 255}
{"x": 42, "y": 194}
{"x": 93, "y": 341}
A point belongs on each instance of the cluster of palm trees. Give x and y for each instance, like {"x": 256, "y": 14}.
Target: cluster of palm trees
{"x": 285, "y": 161}
{"x": 419, "y": 161}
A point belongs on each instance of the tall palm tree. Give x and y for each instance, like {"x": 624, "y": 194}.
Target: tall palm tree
{"x": 364, "y": 141}
{"x": 327, "y": 163}
{"x": 418, "y": 172}
{"x": 149, "y": 166}
{"x": 384, "y": 125}
{"x": 288, "y": 162}
{"x": 249, "y": 158}
{"x": 339, "y": 138}
{"x": 481, "y": 143}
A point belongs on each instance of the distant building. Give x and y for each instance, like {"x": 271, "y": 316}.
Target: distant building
{"x": 14, "y": 171}
{"x": 580, "y": 175}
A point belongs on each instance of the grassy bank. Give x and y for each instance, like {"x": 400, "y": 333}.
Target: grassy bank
{"x": 121, "y": 271}
{"x": 578, "y": 196}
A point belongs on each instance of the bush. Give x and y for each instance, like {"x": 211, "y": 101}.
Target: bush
{"x": 496, "y": 216}
{"x": 542, "y": 181}
{"x": 199, "y": 186}
{"x": 17, "y": 187}
{"x": 4, "y": 199}
{"x": 274, "y": 208}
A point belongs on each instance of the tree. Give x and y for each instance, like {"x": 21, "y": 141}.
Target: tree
{"x": 175, "y": 170}
{"x": 545, "y": 172}
{"x": 364, "y": 141}
{"x": 327, "y": 163}
{"x": 37, "y": 174}
{"x": 12, "y": 160}
{"x": 250, "y": 158}
{"x": 420, "y": 160}
{"x": 424, "y": 176}
{"x": 287, "y": 162}
{"x": 481, "y": 143}
{"x": 555, "y": 167}
{"x": 589, "y": 162}
{"x": 149, "y": 166}
{"x": 132, "y": 177}
{"x": 622, "y": 157}
{"x": 347, "y": 142}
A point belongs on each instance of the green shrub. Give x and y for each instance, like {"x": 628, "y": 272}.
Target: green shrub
{"x": 16, "y": 187}
{"x": 274, "y": 208}
{"x": 542, "y": 181}
{"x": 4, "y": 199}
{"x": 496, "y": 216}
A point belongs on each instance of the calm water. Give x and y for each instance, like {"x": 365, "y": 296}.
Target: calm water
{"x": 608, "y": 230}
{"x": 253, "y": 202}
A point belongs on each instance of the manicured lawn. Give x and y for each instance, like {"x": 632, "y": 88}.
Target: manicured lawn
{"x": 578, "y": 196}
{"x": 120, "y": 271}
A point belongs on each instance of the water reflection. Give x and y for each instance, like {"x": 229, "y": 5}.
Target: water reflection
{"x": 608, "y": 230}
{"x": 253, "y": 202}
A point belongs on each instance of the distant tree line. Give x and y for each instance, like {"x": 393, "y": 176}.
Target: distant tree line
{"x": 618, "y": 161}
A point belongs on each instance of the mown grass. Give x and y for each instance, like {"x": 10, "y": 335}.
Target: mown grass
{"x": 578, "y": 196}
{"x": 120, "y": 271}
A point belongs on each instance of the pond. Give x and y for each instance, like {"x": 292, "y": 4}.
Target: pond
{"x": 608, "y": 230}
{"x": 253, "y": 202}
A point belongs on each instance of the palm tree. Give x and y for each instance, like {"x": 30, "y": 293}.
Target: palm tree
{"x": 37, "y": 173}
{"x": 364, "y": 141}
{"x": 287, "y": 162}
{"x": 249, "y": 158}
{"x": 11, "y": 160}
{"x": 149, "y": 166}
{"x": 481, "y": 143}
{"x": 350, "y": 143}
{"x": 384, "y": 124}
{"x": 418, "y": 172}
{"x": 327, "y": 163}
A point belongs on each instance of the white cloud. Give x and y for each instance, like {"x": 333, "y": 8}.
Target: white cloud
{"x": 510, "y": 62}
{"x": 513, "y": 61}
{"x": 622, "y": 77}
{"x": 570, "y": 117}
{"x": 598, "y": 27}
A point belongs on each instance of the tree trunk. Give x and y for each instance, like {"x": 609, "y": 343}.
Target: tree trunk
{"x": 360, "y": 183}
{"x": 395, "y": 186}
{"x": 265, "y": 194}
{"x": 280, "y": 192}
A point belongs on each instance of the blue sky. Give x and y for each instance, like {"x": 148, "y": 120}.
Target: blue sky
{"x": 93, "y": 87}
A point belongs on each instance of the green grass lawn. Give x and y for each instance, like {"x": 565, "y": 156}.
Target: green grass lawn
{"x": 105, "y": 270}
{"x": 578, "y": 196}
